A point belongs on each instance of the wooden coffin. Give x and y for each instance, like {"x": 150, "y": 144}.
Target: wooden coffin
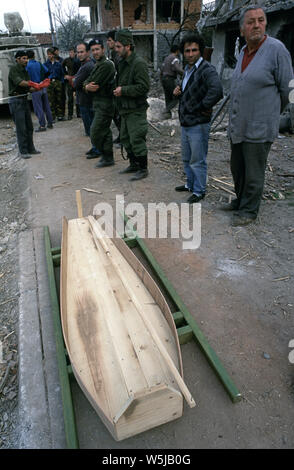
{"x": 115, "y": 323}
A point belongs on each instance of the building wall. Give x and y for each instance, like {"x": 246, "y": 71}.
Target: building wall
{"x": 111, "y": 16}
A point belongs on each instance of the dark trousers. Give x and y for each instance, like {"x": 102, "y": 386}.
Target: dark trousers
{"x": 87, "y": 115}
{"x": 133, "y": 132}
{"x": 21, "y": 114}
{"x": 101, "y": 135}
{"x": 169, "y": 84}
{"x": 54, "y": 91}
{"x": 42, "y": 107}
{"x": 248, "y": 164}
{"x": 70, "y": 99}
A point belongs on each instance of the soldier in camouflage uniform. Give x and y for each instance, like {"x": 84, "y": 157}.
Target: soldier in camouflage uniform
{"x": 131, "y": 93}
{"x": 54, "y": 90}
{"x": 101, "y": 84}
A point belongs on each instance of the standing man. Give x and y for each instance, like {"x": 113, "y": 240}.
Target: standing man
{"x": 18, "y": 79}
{"x": 70, "y": 67}
{"x": 84, "y": 99}
{"x": 131, "y": 93}
{"x": 55, "y": 88}
{"x": 259, "y": 92}
{"x": 63, "y": 95}
{"x": 170, "y": 68}
{"x": 101, "y": 83}
{"x": 37, "y": 73}
{"x": 201, "y": 89}
{"x": 115, "y": 57}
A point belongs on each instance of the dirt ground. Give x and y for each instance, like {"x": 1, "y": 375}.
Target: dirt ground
{"x": 238, "y": 285}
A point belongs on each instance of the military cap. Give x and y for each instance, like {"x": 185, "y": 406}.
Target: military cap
{"x": 124, "y": 36}
{"x": 96, "y": 41}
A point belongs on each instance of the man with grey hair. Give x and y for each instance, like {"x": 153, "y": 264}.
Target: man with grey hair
{"x": 259, "y": 92}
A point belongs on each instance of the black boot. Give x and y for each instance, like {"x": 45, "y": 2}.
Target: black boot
{"x": 133, "y": 166}
{"x": 106, "y": 160}
{"x": 142, "y": 172}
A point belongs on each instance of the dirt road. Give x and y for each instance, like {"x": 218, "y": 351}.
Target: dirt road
{"x": 238, "y": 284}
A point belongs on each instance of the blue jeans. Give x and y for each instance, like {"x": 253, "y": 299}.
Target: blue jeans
{"x": 194, "y": 152}
{"x": 87, "y": 115}
{"x": 41, "y": 107}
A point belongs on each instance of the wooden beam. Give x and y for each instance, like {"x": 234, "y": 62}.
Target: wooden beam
{"x": 121, "y": 13}
{"x": 154, "y": 37}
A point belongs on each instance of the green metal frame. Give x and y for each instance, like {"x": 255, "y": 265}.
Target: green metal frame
{"x": 53, "y": 259}
{"x": 186, "y": 325}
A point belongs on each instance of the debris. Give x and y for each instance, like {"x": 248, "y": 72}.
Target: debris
{"x": 291, "y": 230}
{"x": 172, "y": 133}
{"x": 39, "y": 177}
{"x": 8, "y": 300}
{"x": 286, "y": 175}
{"x": 278, "y": 195}
{"x": 7, "y": 336}
{"x": 286, "y": 278}
{"x": 61, "y": 185}
{"x": 223, "y": 182}
{"x": 224, "y": 189}
{"x": 2, "y": 384}
{"x": 92, "y": 190}
{"x": 242, "y": 257}
{"x": 267, "y": 244}
{"x": 266, "y": 355}
{"x": 155, "y": 128}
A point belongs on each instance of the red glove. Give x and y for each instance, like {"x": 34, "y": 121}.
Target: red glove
{"x": 45, "y": 83}
{"x": 34, "y": 85}
{"x": 38, "y": 86}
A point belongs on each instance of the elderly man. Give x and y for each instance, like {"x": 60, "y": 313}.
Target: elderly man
{"x": 131, "y": 94}
{"x": 201, "y": 89}
{"x": 18, "y": 80}
{"x": 260, "y": 89}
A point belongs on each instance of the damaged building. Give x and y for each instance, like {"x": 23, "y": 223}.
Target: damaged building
{"x": 223, "y": 22}
{"x": 153, "y": 23}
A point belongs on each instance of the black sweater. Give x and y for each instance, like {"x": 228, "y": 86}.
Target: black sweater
{"x": 201, "y": 93}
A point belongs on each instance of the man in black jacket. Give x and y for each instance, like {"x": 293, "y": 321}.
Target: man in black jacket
{"x": 201, "y": 89}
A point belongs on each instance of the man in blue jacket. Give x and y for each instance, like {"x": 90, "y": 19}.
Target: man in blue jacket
{"x": 201, "y": 89}
{"x": 37, "y": 73}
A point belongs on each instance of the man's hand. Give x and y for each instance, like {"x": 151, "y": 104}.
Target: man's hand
{"x": 91, "y": 87}
{"x": 117, "y": 91}
{"x": 177, "y": 91}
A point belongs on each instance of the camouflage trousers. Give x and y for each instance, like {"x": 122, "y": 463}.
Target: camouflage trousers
{"x": 54, "y": 91}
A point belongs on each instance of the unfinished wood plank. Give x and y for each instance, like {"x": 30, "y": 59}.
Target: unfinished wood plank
{"x": 137, "y": 301}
